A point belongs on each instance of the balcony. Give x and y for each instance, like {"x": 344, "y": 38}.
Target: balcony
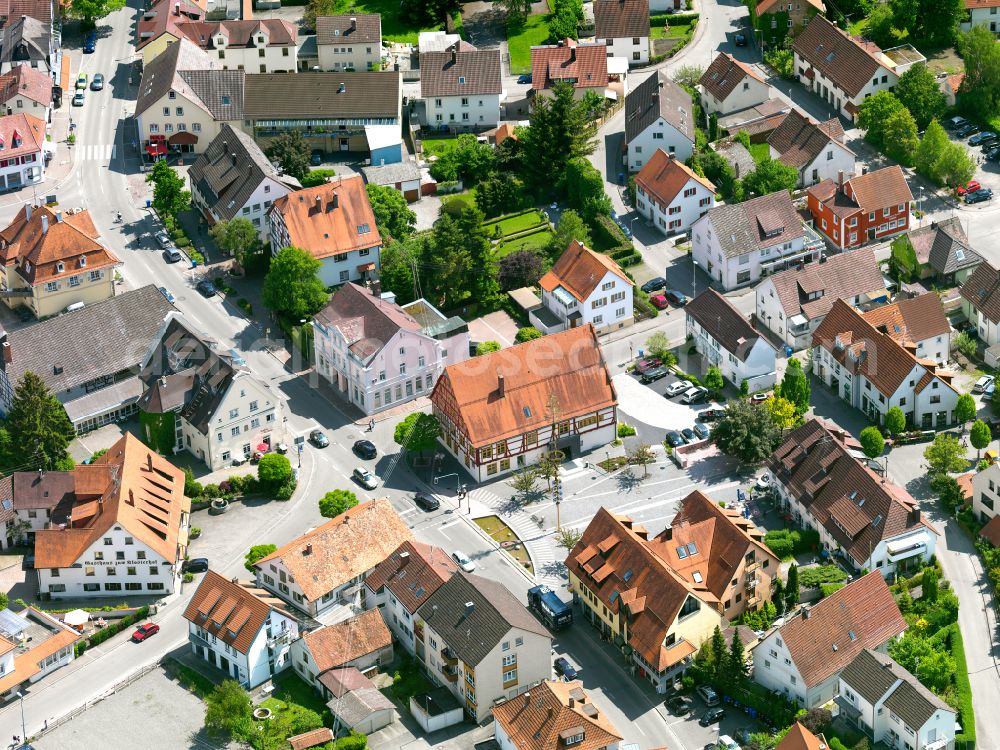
{"x": 752, "y": 582}
{"x": 450, "y": 673}
{"x": 418, "y": 631}
{"x": 752, "y": 567}
{"x": 448, "y": 657}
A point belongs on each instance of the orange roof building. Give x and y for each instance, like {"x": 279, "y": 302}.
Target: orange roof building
{"x": 584, "y": 287}
{"x": 118, "y": 525}
{"x": 626, "y": 584}
{"x": 32, "y": 645}
{"x": 553, "y": 716}
{"x": 362, "y": 642}
{"x": 51, "y": 259}
{"x": 800, "y": 738}
{"x": 333, "y": 222}
{"x": 670, "y": 196}
{"x": 502, "y": 411}
{"x": 234, "y": 625}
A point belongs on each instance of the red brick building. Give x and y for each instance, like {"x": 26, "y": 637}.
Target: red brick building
{"x": 866, "y": 208}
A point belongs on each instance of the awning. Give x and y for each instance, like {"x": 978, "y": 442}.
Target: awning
{"x": 908, "y": 547}
{"x": 366, "y": 267}
{"x": 183, "y": 138}
{"x": 263, "y": 447}
{"x": 610, "y": 94}
{"x": 76, "y": 618}
{"x": 159, "y": 148}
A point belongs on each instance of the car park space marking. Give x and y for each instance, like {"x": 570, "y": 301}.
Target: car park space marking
{"x": 407, "y": 511}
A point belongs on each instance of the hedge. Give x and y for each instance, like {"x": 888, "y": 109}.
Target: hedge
{"x": 99, "y": 636}
{"x": 963, "y": 690}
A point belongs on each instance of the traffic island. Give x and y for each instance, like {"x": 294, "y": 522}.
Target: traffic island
{"x": 509, "y": 541}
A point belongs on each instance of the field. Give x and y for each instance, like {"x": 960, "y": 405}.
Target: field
{"x": 501, "y": 532}
{"x": 520, "y": 40}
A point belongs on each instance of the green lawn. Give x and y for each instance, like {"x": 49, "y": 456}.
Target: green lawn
{"x": 535, "y": 31}
{"x": 760, "y": 151}
{"x": 468, "y": 197}
{"x": 436, "y": 145}
{"x": 394, "y": 28}
{"x": 501, "y": 532}
{"x": 534, "y": 241}
{"x": 514, "y": 224}
{"x": 680, "y": 26}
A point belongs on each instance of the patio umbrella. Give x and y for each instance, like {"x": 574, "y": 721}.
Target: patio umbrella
{"x": 76, "y": 618}
{"x": 263, "y": 447}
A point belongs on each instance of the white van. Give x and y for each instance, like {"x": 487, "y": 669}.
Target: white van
{"x": 75, "y": 306}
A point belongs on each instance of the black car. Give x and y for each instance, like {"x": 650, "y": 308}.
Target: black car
{"x": 957, "y": 122}
{"x": 564, "y": 668}
{"x": 968, "y": 129}
{"x": 524, "y": 78}
{"x": 741, "y": 39}
{"x": 680, "y": 705}
{"x": 195, "y": 565}
{"x": 676, "y": 298}
{"x": 993, "y": 153}
{"x": 655, "y": 374}
{"x": 426, "y": 501}
{"x": 675, "y": 439}
{"x": 711, "y": 415}
{"x": 654, "y": 285}
{"x": 316, "y": 157}
{"x": 688, "y": 434}
{"x": 711, "y": 716}
{"x": 319, "y": 438}
{"x": 366, "y": 449}
{"x": 978, "y": 196}
{"x": 206, "y": 288}
{"x": 979, "y": 139}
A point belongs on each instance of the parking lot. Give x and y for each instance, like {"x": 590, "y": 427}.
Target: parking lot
{"x": 988, "y": 171}
{"x": 645, "y": 404}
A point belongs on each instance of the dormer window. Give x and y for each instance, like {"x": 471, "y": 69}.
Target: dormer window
{"x": 60, "y": 267}
{"x": 83, "y": 261}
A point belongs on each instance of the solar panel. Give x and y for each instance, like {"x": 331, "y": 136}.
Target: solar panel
{"x": 11, "y": 623}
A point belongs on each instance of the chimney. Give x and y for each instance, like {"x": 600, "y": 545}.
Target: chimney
{"x": 805, "y": 611}
{"x": 551, "y": 711}
{"x": 233, "y": 157}
{"x": 308, "y": 550}
{"x": 319, "y": 203}
{"x": 8, "y": 355}
{"x": 335, "y": 201}
{"x": 177, "y": 9}
{"x": 840, "y": 178}
{"x": 149, "y": 462}
{"x": 572, "y": 701}
{"x": 225, "y": 145}
{"x": 131, "y": 498}
{"x": 354, "y": 23}
{"x": 163, "y": 381}
{"x": 470, "y": 607}
{"x": 454, "y": 54}
{"x": 500, "y": 383}
{"x": 915, "y": 514}
{"x": 572, "y": 54}
{"x": 527, "y": 699}
{"x": 27, "y": 211}
{"x": 45, "y": 224}
{"x": 58, "y": 217}
{"x": 342, "y": 88}
{"x": 236, "y": 580}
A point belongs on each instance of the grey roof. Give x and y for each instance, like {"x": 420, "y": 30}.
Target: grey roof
{"x": 872, "y": 675}
{"x": 221, "y": 91}
{"x": 231, "y": 169}
{"x": 757, "y": 223}
{"x": 316, "y": 95}
{"x": 737, "y": 156}
{"x": 950, "y": 251}
{"x": 390, "y": 174}
{"x": 724, "y": 323}
{"x": 103, "y": 400}
{"x": 308, "y": 49}
{"x": 160, "y": 75}
{"x": 367, "y": 27}
{"x": 658, "y": 96}
{"x": 26, "y": 39}
{"x": 357, "y": 705}
{"x": 100, "y": 340}
{"x": 495, "y": 611}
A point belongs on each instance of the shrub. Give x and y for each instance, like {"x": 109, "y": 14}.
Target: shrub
{"x": 625, "y": 430}
{"x": 188, "y": 577}
{"x": 274, "y": 470}
{"x": 286, "y": 490}
{"x": 828, "y": 588}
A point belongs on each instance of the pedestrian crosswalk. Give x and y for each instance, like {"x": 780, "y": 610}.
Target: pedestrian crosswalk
{"x": 100, "y": 152}
{"x": 540, "y": 544}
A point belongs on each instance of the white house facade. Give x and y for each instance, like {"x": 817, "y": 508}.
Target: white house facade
{"x": 670, "y": 196}
{"x": 728, "y": 85}
{"x": 985, "y": 13}
{"x": 659, "y": 114}
{"x": 461, "y": 88}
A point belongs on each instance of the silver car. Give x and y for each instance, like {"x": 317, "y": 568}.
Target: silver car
{"x": 365, "y": 478}
{"x": 464, "y": 561}
{"x": 162, "y": 239}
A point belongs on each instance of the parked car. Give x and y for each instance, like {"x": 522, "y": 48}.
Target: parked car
{"x": 966, "y": 130}
{"x": 90, "y": 43}
{"x": 702, "y": 430}
{"x": 162, "y": 239}
{"x": 172, "y": 255}
{"x": 708, "y": 694}
{"x": 206, "y": 288}
{"x": 659, "y": 301}
{"x": 688, "y": 434}
{"x": 98, "y": 83}
{"x": 983, "y": 194}
{"x": 316, "y": 157}
{"x": 678, "y": 387}
{"x": 674, "y": 438}
{"x": 426, "y": 501}
{"x": 365, "y": 449}
{"x": 727, "y": 743}
{"x": 647, "y": 363}
{"x": 463, "y": 560}
{"x": 195, "y": 565}
{"x": 957, "y": 122}
{"x": 740, "y": 39}
{"x": 166, "y": 293}
{"x": 680, "y": 705}
{"x": 319, "y": 438}
{"x": 78, "y": 99}
{"x": 654, "y": 374}
{"x": 148, "y": 630}
{"x": 981, "y": 384}
{"x": 711, "y": 415}
{"x": 565, "y": 669}
{"x": 654, "y": 284}
{"x": 992, "y": 153}
{"x": 524, "y": 78}
{"x": 759, "y": 398}
{"x": 694, "y": 395}
{"x": 711, "y": 716}
{"x": 676, "y": 298}
{"x": 365, "y": 478}
{"x": 81, "y": 81}
{"x": 984, "y": 137}
{"x": 971, "y": 187}
{"x": 988, "y": 391}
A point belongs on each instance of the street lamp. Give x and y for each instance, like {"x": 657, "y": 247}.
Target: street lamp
{"x": 24, "y": 731}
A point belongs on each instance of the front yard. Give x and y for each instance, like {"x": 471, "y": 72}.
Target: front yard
{"x": 672, "y": 26}
{"x": 520, "y": 40}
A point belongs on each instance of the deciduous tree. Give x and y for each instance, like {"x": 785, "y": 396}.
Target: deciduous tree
{"x": 228, "y": 710}
{"x": 487, "y": 347}
{"x": 169, "y": 195}
{"x": 688, "y": 75}
{"x": 291, "y": 151}
{"x": 517, "y": 10}
{"x": 874, "y": 113}
{"x": 570, "y": 227}
{"x": 795, "y": 386}
{"x": 568, "y": 538}
{"x": 965, "y": 409}
{"x": 770, "y": 176}
{"x": 980, "y": 436}
{"x": 520, "y": 268}
{"x": 396, "y": 272}
{"x": 783, "y": 412}
{"x": 919, "y": 92}
{"x": 901, "y": 140}
{"x": 393, "y": 216}
{"x": 945, "y": 455}
{"x": 955, "y": 167}
{"x": 881, "y": 26}
{"x": 528, "y": 333}
{"x": 895, "y": 421}
{"x": 747, "y": 431}
{"x": 274, "y": 470}
{"x": 930, "y": 150}
{"x": 255, "y": 553}
{"x": 335, "y": 502}
{"x": 292, "y": 286}
{"x": 418, "y": 432}
{"x": 980, "y": 89}
{"x": 872, "y": 442}
{"x": 498, "y": 194}
{"x": 238, "y": 237}
{"x": 524, "y": 481}
{"x": 713, "y": 380}
{"x": 642, "y": 455}
{"x": 91, "y": 10}
{"x": 467, "y": 159}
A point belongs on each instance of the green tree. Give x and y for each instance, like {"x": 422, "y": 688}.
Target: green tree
{"x": 169, "y": 195}
{"x": 255, "y": 553}
{"x": 274, "y": 470}
{"x": 948, "y": 490}
{"x": 904, "y": 15}
{"x": 980, "y": 89}
{"x": 936, "y": 670}
{"x": 519, "y": 269}
{"x": 932, "y": 147}
{"x": 487, "y": 347}
{"x": 713, "y": 167}
{"x": 517, "y": 10}
{"x": 880, "y": 28}
{"x": 955, "y": 167}
{"x": 568, "y": 538}
{"x": 770, "y": 176}
{"x": 570, "y": 227}
{"x": 782, "y": 412}
{"x": 900, "y": 134}
{"x": 782, "y": 61}
{"x": 937, "y": 21}
{"x": 658, "y": 345}
{"x": 563, "y": 23}
{"x": 929, "y": 585}
{"x": 418, "y": 432}
{"x": 447, "y": 253}
{"x": 393, "y": 216}
{"x": 37, "y": 427}
{"x": 713, "y": 380}
{"x": 396, "y": 272}
{"x": 643, "y": 456}
{"x": 872, "y": 442}
{"x": 291, "y": 151}
{"x": 945, "y": 455}
{"x": 559, "y": 131}
{"x": 335, "y": 502}
{"x": 895, "y": 421}
{"x": 529, "y": 333}
{"x": 874, "y": 113}
{"x": 238, "y": 237}
{"x": 792, "y": 587}
{"x": 918, "y": 91}
{"x": 965, "y": 409}
{"x": 718, "y": 650}
{"x": 91, "y": 10}
{"x": 467, "y": 159}
{"x": 795, "y": 386}
{"x": 778, "y": 596}
{"x": 737, "y": 666}
{"x": 965, "y": 344}
{"x": 688, "y": 76}
{"x": 228, "y": 710}
{"x": 498, "y": 194}
{"x": 980, "y": 436}
{"x": 585, "y": 189}
{"x": 524, "y": 482}
{"x": 292, "y": 286}
{"x": 904, "y": 257}
{"x": 747, "y": 431}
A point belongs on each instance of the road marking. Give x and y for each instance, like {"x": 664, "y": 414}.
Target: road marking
{"x": 450, "y": 523}
{"x": 408, "y": 512}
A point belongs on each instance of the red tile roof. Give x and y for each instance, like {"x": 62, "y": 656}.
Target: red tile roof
{"x": 847, "y": 62}
{"x": 911, "y": 320}
{"x": 542, "y": 718}
{"x": 619, "y": 19}
{"x": 973, "y": 4}
{"x": 509, "y": 392}
{"x": 881, "y": 188}
{"x": 458, "y": 71}
{"x": 845, "y": 275}
{"x": 991, "y": 531}
{"x": 231, "y": 611}
{"x": 724, "y": 74}
{"x": 982, "y": 289}
{"x": 800, "y": 738}
{"x": 579, "y": 270}
{"x": 277, "y": 33}
{"x": 584, "y": 65}
{"x": 23, "y": 80}
{"x": 412, "y": 573}
{"x": 663, "y": 177}
{"x": 825, "y": 638}
{"x": 163, "y": 17}
{"x": 799, "y": 140}
{"x": 336, "y": 645}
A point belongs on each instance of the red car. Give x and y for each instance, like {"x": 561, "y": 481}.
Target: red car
{"x": 145, "y": 631}
{"x": 972, "y": 187}
{"x": 647, "y": 363}
{"x": 659, "y": 301}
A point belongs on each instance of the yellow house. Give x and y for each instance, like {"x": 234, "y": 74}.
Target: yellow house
{"x": 629, "y": 592}
{"x": 51, "y": 260}
{"x": 159, "y": 26}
